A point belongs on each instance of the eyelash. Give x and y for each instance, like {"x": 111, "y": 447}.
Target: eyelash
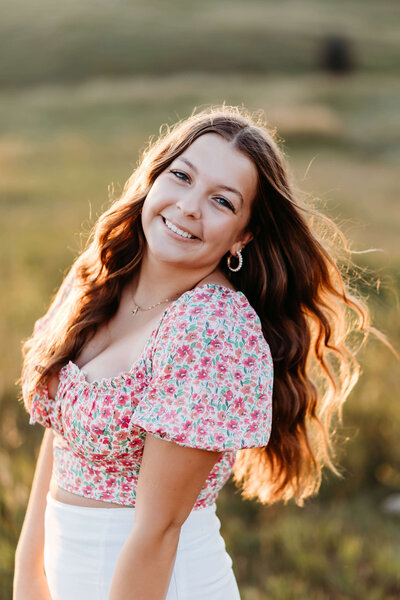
{"x": 229, "y": 205}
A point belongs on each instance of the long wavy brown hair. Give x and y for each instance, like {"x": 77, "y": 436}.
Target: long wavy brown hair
{"x": 295, "y": 276}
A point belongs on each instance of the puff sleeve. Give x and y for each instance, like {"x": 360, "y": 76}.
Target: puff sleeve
{"x": 41, "y": 406}
{"x": 212, "y": 375}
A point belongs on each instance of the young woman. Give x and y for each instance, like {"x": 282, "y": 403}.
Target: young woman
{"x": 205, "y": 316}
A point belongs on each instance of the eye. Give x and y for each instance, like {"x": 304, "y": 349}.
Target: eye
{"x": 180, "y": 175}
{"x": 228, "y": 204}
{"x": 183, "y": 177}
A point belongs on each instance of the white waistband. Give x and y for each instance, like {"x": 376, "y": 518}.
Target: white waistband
{"x": 196, "y": 519}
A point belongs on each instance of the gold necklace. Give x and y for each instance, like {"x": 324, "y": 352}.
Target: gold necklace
{"x": 137, "y": 307}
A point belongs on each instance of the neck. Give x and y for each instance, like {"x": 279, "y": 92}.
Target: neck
{"x": 154, "y": 282}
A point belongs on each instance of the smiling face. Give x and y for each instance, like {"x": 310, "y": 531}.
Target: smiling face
{"x": 208, "y": 192}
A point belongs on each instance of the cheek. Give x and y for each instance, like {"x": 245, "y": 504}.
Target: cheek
{"x": 157, "y": 198}
{"x": 150, "y": 205}
{"x": 219, "y": 232}
{"x": 148, "y": 210}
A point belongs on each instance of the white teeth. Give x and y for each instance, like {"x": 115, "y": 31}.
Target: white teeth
{"x": 178, "y": 231}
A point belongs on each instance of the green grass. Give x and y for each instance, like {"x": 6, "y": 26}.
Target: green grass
{"x": 335, "y": 550}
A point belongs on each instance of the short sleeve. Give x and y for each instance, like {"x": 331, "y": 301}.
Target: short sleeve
{"x": 212, "y": 375}
{"x": 41, "y": 406}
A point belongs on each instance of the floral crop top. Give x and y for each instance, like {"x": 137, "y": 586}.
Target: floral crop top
{"x": 203, "y": 380}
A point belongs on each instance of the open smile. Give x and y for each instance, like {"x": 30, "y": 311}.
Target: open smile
{"x": 178, "y": 233}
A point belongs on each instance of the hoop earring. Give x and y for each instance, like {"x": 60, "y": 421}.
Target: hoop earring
{"x": 239, "y": 255}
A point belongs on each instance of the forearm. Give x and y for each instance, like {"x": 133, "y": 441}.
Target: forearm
{"x": 145, "y": 565}
{"x": 29, "y": 552}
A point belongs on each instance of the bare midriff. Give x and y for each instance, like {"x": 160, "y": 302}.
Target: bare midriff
{"x": 62, "y": 495}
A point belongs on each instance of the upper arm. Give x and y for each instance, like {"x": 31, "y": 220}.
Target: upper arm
{"x": 210, "y": 391}
{"x": 170, "y": 479}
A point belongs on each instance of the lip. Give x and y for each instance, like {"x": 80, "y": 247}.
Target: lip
{"x": 176, "y": 235}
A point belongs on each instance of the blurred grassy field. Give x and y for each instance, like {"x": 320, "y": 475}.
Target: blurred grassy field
{"x": 40, "y": 44}
{"x": 63, "y": 143}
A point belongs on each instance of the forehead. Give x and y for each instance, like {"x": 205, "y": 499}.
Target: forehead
{"x": 222, "y": 164}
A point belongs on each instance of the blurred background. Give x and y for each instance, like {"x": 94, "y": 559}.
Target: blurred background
{"x": 82, "y": 87}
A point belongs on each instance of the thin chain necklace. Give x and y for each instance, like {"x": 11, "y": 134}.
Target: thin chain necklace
{"x": 137, "y": 307}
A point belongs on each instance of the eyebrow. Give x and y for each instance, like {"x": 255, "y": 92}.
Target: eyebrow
{"x": 222, "y": 187}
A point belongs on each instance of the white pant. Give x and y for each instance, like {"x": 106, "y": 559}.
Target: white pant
{"x": 82, "y": 546}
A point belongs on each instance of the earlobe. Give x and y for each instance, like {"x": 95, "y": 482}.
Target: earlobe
{"x": 242, "y": 243}
{"x": 246, "y": 239}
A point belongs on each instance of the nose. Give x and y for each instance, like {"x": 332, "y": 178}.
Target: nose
{"x": 189, "y": 205}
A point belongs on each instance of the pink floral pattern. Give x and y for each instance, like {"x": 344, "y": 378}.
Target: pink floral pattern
{"x": 204, "y": 380}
